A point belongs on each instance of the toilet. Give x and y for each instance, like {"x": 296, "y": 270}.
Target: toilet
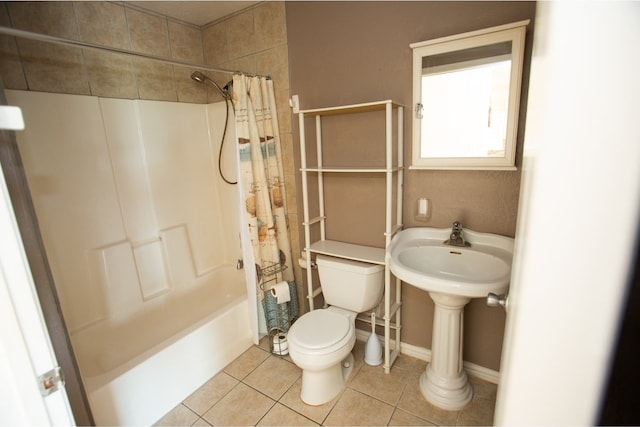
{"x": 320, "y": 342}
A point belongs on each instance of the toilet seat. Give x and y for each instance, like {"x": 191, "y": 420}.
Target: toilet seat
{"x": 320, "y": 331}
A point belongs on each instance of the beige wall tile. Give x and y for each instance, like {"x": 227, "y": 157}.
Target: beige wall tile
{"x": 10, "y": 66}
{"x": 186, "y": 43}
{"x": 214, "y": 43}
{"x": 270, "y": 25}
{"x": 286, "y": 146}
{"x": 155, "y": 80}
{"x": 110, "y": 75}
{"x": 53, "y": 68}
{"x": 149, "y": 33}
{"x": 247, "y": 64}
{"x": 241, "y": 35}
{"x": 102, "y": 23}
{"x": 11, "y": 70}
{"x": 52, "y": 18}
{"x": 285, "y": 115}
{"x": 274, "y": 62}
{"x": 49, "y": 67}
{"x": 257, "y": 37}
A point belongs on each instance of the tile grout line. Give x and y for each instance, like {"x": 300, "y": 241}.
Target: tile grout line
{"x": 349, "y": 386}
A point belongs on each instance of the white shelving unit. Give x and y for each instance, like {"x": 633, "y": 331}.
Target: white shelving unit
{"x": 392, "y": 303}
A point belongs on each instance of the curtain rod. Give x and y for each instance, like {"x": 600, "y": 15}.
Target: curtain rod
{"x": 77, "y": 43}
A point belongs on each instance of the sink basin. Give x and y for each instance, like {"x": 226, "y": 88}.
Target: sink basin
{"x": 452, "y": 275}
{"x": 419, "y": 257}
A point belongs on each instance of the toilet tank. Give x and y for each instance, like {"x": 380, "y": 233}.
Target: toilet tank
{"x": 352, "y": 285}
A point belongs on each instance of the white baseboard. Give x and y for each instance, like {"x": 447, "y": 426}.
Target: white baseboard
{"x": 422, "y": 353}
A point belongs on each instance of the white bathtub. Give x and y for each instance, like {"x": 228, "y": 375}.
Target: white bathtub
{"x": 138, "y": 369}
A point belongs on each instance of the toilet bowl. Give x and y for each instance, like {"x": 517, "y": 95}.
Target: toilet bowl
{"x": 320, "y": 343}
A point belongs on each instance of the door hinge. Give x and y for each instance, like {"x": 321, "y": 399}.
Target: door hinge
{"x": 418, "y": 110}
{"x": 51, "y": 381}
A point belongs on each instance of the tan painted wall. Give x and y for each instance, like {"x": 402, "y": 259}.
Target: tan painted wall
{"x": 351, "y": 52}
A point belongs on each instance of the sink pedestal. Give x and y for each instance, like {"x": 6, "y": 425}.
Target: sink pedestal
{"x": 445, "y": 383}
{"x": 452, "y": 275}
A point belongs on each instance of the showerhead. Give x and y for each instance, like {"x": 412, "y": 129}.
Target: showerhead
{"x": 201, "y": 78}
{"x": 198, "y": 76}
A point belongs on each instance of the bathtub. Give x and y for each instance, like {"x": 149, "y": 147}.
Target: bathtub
{"x": 135, "y": 370}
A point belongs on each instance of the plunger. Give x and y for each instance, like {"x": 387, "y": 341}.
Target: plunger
{"x": 373, "y": 349}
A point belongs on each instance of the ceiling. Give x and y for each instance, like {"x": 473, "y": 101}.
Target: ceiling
{"x": 195, "y": 12}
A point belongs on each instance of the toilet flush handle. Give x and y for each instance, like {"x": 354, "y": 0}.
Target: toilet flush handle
{"x": 494, "y": 300}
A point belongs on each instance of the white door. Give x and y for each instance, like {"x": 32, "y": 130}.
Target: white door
{"x": 579, "y": 213}
{"x": 25, "y": 348}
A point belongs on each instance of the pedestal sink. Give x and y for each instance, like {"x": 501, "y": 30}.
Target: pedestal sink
{"x": 452, "y": 275}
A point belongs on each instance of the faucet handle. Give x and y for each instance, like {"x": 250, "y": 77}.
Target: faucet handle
{"x": 457, "y": 226}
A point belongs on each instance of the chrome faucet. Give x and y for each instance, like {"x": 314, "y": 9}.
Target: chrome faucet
{"x": 456, "y": 238}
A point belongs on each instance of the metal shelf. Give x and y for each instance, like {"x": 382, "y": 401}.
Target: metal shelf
{"x": 352, "y": 108}
{"x": 392, "y": 303}
{"x": 349, "y": 251}
{"x": 343, "y": 169}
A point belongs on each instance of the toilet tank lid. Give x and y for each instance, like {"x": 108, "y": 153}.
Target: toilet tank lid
{"x": 348, "y": 264}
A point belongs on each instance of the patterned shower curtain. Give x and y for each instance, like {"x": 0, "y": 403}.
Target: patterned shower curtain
{"x": 261, "y": 180}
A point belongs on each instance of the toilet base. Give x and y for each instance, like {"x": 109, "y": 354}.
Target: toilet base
{"x": 319, "y": 387}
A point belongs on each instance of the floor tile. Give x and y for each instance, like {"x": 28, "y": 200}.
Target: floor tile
{"x": 178, "y": 416}
{"x": 373, "y": 381}
{"x": 210, "y": 393}
{"x": 280, "y": 415}
{"x": 357, "y": 409}
{"x": 403, "y": 418}
{"x": 246, "y": 362}
{"x": 358, "y": 356}
{"x": 264, "y": 389}
{"x": 273, "y": 377}
{"x": 414, "y": 402}
{"x": 316, "y": 413}
{"x": 242, "y": 406}
{"x": 201, "y": 423}
{"x": 264, "y": 344}
{"x": 483, "y": 388}
{"x": 478, "y": 413}
{"x": 410, "y": 364}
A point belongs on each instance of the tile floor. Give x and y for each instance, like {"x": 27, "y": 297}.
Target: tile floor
{"x": 262, "y": 389}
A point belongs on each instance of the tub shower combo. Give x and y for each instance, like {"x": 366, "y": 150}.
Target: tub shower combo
{"x": 140, "y": 223}
{"x": 142, "y": 237}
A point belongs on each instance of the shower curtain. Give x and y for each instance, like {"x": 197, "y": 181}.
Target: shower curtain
{"x": 263, "y": 198}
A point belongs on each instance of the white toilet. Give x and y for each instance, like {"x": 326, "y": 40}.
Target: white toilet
{"x": 320, "y": 342}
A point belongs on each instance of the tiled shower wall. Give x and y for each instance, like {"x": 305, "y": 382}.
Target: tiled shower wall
{"x": 253, "y": 41}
